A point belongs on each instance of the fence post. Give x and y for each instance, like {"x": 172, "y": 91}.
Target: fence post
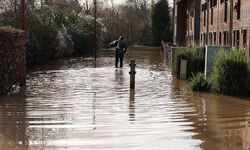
{"x": 132, "y": 74}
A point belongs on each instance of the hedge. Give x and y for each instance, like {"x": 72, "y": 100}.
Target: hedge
{"x": 230, "y": 72}
{"x": 12, "y": 58}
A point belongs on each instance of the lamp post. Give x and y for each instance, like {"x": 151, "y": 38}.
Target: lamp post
{"x": 95, "y": 32}
{"x": 23, "y": 14}
{"x": 117, "y": 24}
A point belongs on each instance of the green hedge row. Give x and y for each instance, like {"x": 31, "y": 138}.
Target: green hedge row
{"x": 230, "y": 75}
{"x": 230, "y": 72}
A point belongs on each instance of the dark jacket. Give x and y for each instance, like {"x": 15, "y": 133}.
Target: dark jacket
{"x": 121, "y": 48}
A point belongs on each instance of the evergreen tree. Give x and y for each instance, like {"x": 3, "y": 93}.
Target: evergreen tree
{"x": 161, "y": 22}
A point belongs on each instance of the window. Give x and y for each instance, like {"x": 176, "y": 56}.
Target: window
{"x": 204, "y": 38}
{"x": 234, "y": 38}
{"x": 213, "y": 3}
{"x": 225, "y": 38}
{"x": 204, "y": 7}
{"x": 191, "y": 23}
{"x": 210, "y": 38}
{"x": 222, "y": 1}
{"x": 215, "y": 39}
{"x": 201, "y": 39}
{"x": 212, "y": 16}
{"x": 245, "y": 38}
{"x": 220, "y": 36}
{"x": 238, "y": 3}
{"x": 205, "y": 17}
{"x": 237, "y": 38}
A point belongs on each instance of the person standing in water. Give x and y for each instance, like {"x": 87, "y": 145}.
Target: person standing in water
{"x": 120, "y": 50}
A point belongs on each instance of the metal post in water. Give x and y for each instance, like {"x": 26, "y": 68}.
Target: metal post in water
{"x": 132, "y": 74}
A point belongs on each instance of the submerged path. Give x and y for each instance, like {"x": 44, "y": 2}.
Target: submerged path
{"x": 70, "y": 104}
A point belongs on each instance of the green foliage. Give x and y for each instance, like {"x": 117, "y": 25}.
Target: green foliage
{"x": 80, "y": 33}
{"x": 72, "y": 17}
{"x": 230, "y": 72}
{"x": 42, "y": 42}
{"x": 198, "y": 82}
{"x": 82, "y": 41}
{"x": 195, "y": 57}
{"x": 161, "y": 22}
{"x": 53, "y": 33}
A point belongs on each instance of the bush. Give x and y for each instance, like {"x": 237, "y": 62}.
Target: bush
{"x": 82, "y": 41}
{"x": 80, "y": 31}
{"x": 198, "y": 83}
{"x": 53, "y": 34}
{"x": 195, "y": 57}
{"x": 42, "y": 41}
{"x": 230, "y": 72}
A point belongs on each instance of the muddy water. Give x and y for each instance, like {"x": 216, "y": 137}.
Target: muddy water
{"x": 70, "y": 104}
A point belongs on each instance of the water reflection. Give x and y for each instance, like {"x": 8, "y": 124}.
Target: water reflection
{"x": 132, "y": 105}
{"x": 221, "y": 122}
{"x": 94, "y": 111}
{"x": 74, "y": 105}
{"x": 13, "y": 122}
{"x": 119, "y": 76}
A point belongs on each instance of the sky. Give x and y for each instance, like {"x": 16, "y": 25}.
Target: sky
{"x": 119, "y": 1}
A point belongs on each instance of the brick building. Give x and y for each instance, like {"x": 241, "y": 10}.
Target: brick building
{"x": 219, "y": 22}
{"x": 186, "y": 28}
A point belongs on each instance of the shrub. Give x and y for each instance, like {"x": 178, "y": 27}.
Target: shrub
{"x": 198, "y": 82}
{"x": 195, "y": 57}
{"x": 230, "y": 72}
{"x": 196, "y": 60}
{"x": 80, "y": 31}
{"x": 82, "y": 41}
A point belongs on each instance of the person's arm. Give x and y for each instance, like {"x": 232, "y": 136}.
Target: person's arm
{"x": 113, "y": 43}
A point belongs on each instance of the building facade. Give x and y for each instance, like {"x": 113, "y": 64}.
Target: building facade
{"x": 220, "y": 22}
{"x": 186, "y": 28}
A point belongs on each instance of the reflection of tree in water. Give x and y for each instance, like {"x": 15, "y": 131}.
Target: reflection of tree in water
{"x": 94, "y": 111}
{"x": 13, "y": 122}
{"x": 132, "y": 105}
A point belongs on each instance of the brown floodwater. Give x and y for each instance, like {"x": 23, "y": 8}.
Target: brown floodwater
{"x": 71, "y": 104}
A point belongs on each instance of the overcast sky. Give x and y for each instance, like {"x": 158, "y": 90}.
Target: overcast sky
{"x": 119, "y": 1}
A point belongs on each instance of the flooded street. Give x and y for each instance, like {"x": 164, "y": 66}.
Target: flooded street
{"x": 70, "y": 104}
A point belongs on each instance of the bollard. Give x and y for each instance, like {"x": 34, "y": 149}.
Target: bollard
{"x": 132, "y": 74}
